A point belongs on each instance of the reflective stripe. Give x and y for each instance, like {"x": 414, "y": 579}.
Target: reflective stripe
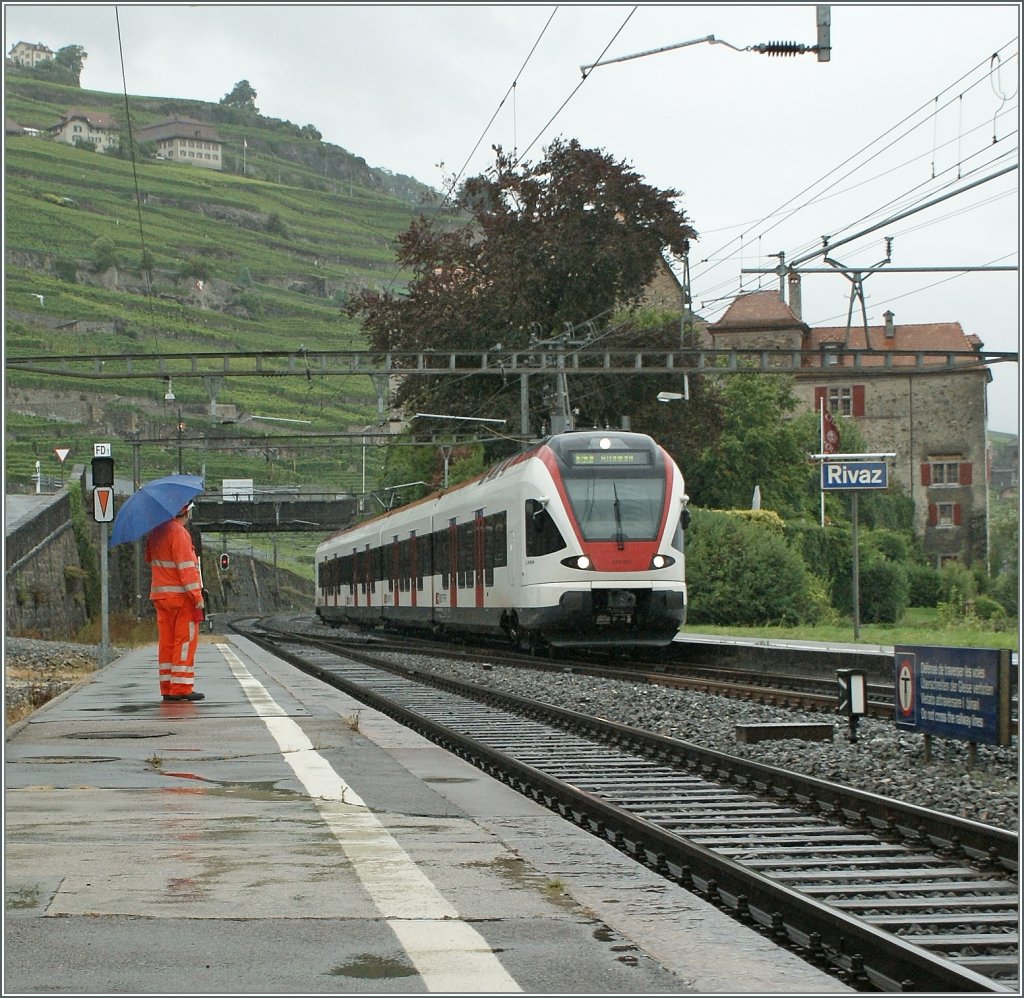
{"x": 187, "y": 588}
{"x": 178, "y": 565}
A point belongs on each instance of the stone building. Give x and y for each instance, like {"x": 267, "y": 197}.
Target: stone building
{"x": 904, "y": 399}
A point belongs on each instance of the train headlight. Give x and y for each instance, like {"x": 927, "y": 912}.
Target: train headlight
{"x": 580, "y": 561}
{"x": 662, "y": 561}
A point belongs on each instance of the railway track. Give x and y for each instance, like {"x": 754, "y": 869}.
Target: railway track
{"x": 889, "y": 897}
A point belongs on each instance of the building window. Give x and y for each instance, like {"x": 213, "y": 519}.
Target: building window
{"x": 840, "y": 401}
{"x": 946, "y": 471}
{"x": 944, "y": 514}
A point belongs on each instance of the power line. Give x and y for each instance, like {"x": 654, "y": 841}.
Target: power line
{"x": 850, "y": 159}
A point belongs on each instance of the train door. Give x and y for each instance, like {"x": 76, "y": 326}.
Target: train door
{"x": 414, "y": 576}
{"x": 453, "y": 564}
{"x": 368, "y": 575}
{"x": 478, "y": 555}
{"x": 394, "y": 573}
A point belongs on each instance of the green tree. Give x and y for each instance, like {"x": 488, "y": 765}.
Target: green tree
{"x": 65, "y": 66}
{"x": 243, "y": 97}
{"x": 546, "y": 253}
{"x": 105, "y": 255}
{"x": 72, "y": 59}
{"x": 763, "y": 445}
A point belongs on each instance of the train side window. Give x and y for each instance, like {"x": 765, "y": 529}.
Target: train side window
{"x": 500, "y": 539}
{"x": 542, "y": 535}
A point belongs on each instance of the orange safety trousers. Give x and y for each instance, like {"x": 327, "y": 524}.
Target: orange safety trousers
{"x": 178, "y": 638}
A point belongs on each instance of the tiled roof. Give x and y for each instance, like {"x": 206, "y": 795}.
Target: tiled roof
{"x": 94, "y": 118}
{"x": 178, "y": 128}
{"x": 757, "y": 310}
{"x": 930, "y": 337}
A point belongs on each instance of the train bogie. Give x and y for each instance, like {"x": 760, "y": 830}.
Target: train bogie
{"x": 576, "y": 542}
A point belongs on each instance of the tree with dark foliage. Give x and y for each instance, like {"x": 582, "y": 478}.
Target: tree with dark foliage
{"x": 547, "y": 253}
{"x": 242, "y": 96}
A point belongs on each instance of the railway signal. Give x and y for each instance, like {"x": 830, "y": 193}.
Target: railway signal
{"x": 224, "y": 562}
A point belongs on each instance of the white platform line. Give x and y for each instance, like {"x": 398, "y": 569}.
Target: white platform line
{"x": 450, "y": 955}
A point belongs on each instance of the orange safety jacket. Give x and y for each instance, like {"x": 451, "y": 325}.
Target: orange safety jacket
{"x": 175, "y": 567}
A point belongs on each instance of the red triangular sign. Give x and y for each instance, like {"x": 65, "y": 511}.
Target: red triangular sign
{"x": 103, "y": 495}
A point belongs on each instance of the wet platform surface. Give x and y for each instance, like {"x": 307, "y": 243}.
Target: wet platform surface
{"x": 281, "y": 838}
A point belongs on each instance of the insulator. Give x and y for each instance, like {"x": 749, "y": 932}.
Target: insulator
{"x": 782, "y": 48}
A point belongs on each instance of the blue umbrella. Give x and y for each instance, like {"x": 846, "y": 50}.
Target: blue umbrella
{"x": 156, "y": 502}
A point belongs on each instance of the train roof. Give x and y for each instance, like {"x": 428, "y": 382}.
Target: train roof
{"x": 503, "y": 464}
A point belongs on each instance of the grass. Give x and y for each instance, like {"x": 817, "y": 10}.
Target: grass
{"x": 920, "y": 626}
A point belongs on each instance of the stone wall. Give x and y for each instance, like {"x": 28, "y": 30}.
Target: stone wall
{"x": 44, "y": 585}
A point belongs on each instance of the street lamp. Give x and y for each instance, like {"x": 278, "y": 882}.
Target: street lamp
{"x": 683, "y": 396}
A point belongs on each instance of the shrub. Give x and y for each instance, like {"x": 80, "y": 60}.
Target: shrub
{"x": 105, "y": 254}
{"x": 957, "y": 584}
{"x": 891, "y": 544}
{"x": 883, "y": 592}
{"x": 990, "y": 610}
{"x": 1005, "y": 589}
{"x": 66, "y": 270}
{"x": 925, "y": 585}
{"x": 743, "y": 574}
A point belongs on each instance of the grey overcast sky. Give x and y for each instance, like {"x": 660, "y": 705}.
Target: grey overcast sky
{"x": 770, "y": 153}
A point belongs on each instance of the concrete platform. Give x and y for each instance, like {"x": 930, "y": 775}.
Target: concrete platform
{"x": 281, "y": 838}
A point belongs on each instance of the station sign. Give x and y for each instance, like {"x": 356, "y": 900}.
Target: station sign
{"x": 854, "y": 475}
{"x": 960, "y": 693}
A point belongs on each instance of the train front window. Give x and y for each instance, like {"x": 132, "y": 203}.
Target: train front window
{"x": 617, "y": 509}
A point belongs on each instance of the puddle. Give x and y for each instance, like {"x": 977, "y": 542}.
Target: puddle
{"x": 61, "y": 760}
{"x": 368, "y": 966}
{"x": 251, "y": 791}
{"x": 26, "y": 897}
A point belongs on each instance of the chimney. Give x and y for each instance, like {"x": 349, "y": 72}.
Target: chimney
{"x": 795, "y": 302}
{"x": 890, "y": 329}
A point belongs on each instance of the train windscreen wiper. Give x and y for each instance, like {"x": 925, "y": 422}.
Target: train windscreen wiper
{"x": 620, "y": 537}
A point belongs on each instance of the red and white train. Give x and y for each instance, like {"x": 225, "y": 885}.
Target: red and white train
{"x": 578, "y": 541}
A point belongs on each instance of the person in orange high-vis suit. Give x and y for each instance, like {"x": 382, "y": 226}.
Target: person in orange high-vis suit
{"x": 177, "y": 596}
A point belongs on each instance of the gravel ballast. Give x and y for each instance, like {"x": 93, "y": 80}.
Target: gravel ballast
{"x": 882, "y": 761}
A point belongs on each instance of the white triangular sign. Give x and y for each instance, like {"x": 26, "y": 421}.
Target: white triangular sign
{"x": 62, "y": 453}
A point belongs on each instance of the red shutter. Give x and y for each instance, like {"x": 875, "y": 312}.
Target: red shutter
{"x": 933, "y": 514}
{"x": 957, "y": 517}
{"x": 966, "y": 473}
{"x": 926, "y": 474}
{"x": 820, "y": 399}
{"x": 858, "y": 400}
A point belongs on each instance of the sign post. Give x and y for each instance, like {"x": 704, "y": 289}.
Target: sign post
{"x": 103, "y": 512}
{"x": 62, "y": 456}
{"x": 854, "y": 472}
